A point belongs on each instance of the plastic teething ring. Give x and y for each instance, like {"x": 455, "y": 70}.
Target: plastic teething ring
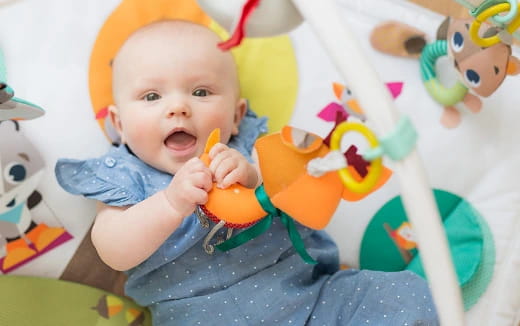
{"x": 493, "y": 11}
{"x": 376, "y": 166}
{"x": 510, "y": 15}
{"x": 440, "y": 93}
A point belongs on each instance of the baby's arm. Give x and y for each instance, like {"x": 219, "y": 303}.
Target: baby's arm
{"x": 125, "y": 237}
{"x": 229, "y": 166}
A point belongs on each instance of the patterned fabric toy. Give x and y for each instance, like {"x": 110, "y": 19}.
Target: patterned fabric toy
{"x": 288, "y": 191}
{"x": 481, "y": 70}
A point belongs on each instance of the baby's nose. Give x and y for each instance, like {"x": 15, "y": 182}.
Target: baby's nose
{"x": 179, "y": 108}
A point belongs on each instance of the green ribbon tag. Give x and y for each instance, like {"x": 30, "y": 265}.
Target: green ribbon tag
{"x": 264, "y": 224}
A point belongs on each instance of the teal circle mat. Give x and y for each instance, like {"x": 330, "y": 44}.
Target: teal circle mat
{"x": 388, "y": 243}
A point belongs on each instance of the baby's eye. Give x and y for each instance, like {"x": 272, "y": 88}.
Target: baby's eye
{"x": 151, "y": 97}
{"x": 200, "y": 92}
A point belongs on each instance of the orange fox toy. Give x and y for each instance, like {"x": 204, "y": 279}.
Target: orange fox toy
{"x": 288, "y": 189}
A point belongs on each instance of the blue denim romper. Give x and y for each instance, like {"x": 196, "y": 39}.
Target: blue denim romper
{"x": 262, "y": 282}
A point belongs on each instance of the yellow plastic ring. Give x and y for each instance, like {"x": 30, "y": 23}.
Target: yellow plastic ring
{"x": 513, "y": 12}
{"x": 376, "y": 166}
{"x": 482, "y": 17}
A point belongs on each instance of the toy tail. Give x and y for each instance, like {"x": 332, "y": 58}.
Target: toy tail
{"x": 240, "y": 29}
{"x": 398, "y": 39}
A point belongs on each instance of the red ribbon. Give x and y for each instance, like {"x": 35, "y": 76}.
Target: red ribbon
{"x": 239, "y": 32}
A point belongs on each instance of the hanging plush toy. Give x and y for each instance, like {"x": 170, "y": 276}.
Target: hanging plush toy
{"x": 11, "y": 107}
{"x": 348, "y": 104}
{"x": 308, "y": 197}
{"x": 272, "y": 17}
{"x": 481, "y": 70}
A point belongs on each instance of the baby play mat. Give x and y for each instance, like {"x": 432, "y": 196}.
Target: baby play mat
{"x": 388, "y": 243}
{"x": 49, "y": 302}
{"x": 60, "y": 60}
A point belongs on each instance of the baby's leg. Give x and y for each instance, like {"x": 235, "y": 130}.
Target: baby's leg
{"x": 355, "y": 297}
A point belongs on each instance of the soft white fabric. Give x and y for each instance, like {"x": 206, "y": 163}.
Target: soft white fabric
{"x": 477, "y": 160}
{"x": 47, "y": 46}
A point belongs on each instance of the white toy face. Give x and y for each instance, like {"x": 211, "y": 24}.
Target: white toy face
{"x": 271, "y": 17}
{"x": 21, "y": 168}
{"x": 406, "y": 232}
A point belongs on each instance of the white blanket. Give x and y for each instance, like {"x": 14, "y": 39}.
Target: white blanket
{"x": 47, "y": 46}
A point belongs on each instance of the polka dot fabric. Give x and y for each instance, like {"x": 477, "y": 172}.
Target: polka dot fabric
{"x": 261, "y": 282}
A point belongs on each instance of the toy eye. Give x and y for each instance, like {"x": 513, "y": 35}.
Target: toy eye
{"x": 346, "y": 95}
{"x": 15, "y": 173}
{"x": 472, "y": 77}
{"x": 457, "y": 42}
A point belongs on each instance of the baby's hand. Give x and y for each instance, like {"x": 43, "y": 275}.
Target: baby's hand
{"x": 229, "y": 166}
{"x": 189, "y": 187}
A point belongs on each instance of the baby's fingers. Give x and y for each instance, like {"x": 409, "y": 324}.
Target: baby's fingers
{"x": 219, "y": 157}
{"x": 229, "y": 179}
{"x": 203, "y": 179}
{"x": 194, "y": 164}
{"x": 222, "y": 162}
{"x": 217, "y": 149}
{"x": 200, "y": 196}
{"x": 223, "y": 169}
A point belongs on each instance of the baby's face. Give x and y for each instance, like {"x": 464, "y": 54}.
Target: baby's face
{"x": 172, "y": 88}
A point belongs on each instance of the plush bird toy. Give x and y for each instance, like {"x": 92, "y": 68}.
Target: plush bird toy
{"x": 289, "y": 191}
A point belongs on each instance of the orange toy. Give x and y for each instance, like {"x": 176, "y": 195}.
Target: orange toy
{"x": 288, "y": 190}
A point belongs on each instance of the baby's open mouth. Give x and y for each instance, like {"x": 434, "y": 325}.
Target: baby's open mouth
{"x": 180, "y": 140}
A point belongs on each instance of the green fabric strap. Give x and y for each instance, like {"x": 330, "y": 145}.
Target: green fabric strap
{"x": 264, "y": 224}
{"x": 296, "y": 239}
{"x": 397, "y": 144}
{"x": 246, "y": 235}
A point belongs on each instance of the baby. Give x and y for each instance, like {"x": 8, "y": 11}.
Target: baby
{"x": 172, "y": 86}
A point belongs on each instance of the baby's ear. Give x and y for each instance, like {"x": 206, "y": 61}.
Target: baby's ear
{"x": 513, "y": 66}
{"x": 240, "y": 111}
{"x": 113, "y": 113}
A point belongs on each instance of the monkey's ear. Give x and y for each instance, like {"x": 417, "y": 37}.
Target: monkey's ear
{"x": 442, "y": 31}
{"x": 513, "y": 66}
